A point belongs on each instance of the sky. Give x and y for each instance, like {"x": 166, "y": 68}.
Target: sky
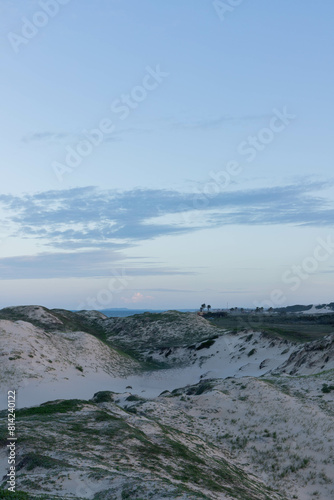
{"x": 162, "y": 154}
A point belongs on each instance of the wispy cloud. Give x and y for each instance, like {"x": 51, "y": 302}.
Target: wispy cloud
{"x": 60, "y": 265}
{"x": 170, "y": 290}
{"x": 89, "y": 218}
{"x": 191, "y": 123}
{"x": 61, "y": 137}
{"x": 329, "y": 270}
{"x": 92, "y": 264}
{"x": 47, "y": 136}
{"x": 214, "y": 122}
{"x": 88, "y": 230}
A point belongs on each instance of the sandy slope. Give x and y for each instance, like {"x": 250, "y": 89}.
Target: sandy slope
{"x": 312, "y": 357}
{"x": 232, "y": 355}
{"x": 97, "y": 448}
{"x": 49, "y": 365}
{"x": 46, "y": 365}
{"x": 281, "y": 430}
{"x": 30, "y": 353}
{"x": 321, "y": 310}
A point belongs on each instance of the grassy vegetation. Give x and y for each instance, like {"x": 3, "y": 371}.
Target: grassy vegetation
{"x": 133, "y": 397}
{"x": 200, "y": 388}
{"x": 327, "y": 388}
{"x": 114, "y": 442}
{"x": 329, "y": 374}
{"x": 142, "y": 334}
{"x": 52, "y": 407}
{"x": 103, "y": 397}
{"x": 130, "y": 337}
{"x": 3, "y": 431}
{"x": 18, "y": 495}
{"x": 33, "y": 460}
{"x": 21, "y": 495}
{"x": 295, "y": 328}
{"x": 74, "y": 322}
{"x": 166, "y": 316}
{"x": 207, "y": 343}
{"x": 71, "y": 321}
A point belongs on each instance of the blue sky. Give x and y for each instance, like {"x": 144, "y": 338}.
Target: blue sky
{"x": 165, "y": 154}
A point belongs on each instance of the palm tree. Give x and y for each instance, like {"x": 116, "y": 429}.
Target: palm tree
{"x": 203, "y": 306}
{"x": 208, "y": 307}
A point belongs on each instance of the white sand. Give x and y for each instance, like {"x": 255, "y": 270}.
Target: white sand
{"x": 52, "y": 372}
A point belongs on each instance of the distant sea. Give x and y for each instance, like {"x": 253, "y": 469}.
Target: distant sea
{"x": 122, "y": 313}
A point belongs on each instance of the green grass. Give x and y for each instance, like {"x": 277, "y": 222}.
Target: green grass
{"x": 52, "y": 407}
{"x": 103, "y": 416}
{"x": 18, "y": 495}
{"x": 200, "y": 388}
{"x": 167, "y": 316}
{"x": 133, "y": 397}
{"x": 327, "y": 388}
{"x": 326, "y": 373}
{"x": 107, "y": 437}
{"x": 21, "y": 495}
{"x": 295, "y": 328}
{"x": 33, "y": 460}
{"x": 103, "y": 397}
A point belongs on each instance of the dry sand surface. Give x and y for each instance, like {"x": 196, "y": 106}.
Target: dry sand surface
{"x": 246, "y": 399}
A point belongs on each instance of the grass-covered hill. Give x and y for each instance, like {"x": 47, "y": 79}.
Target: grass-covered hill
{"x": 97, "y": 449}
{"x": 136, "y": 335}
{"x": 256, "y": 425}
{"x": 245, "y": 439}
